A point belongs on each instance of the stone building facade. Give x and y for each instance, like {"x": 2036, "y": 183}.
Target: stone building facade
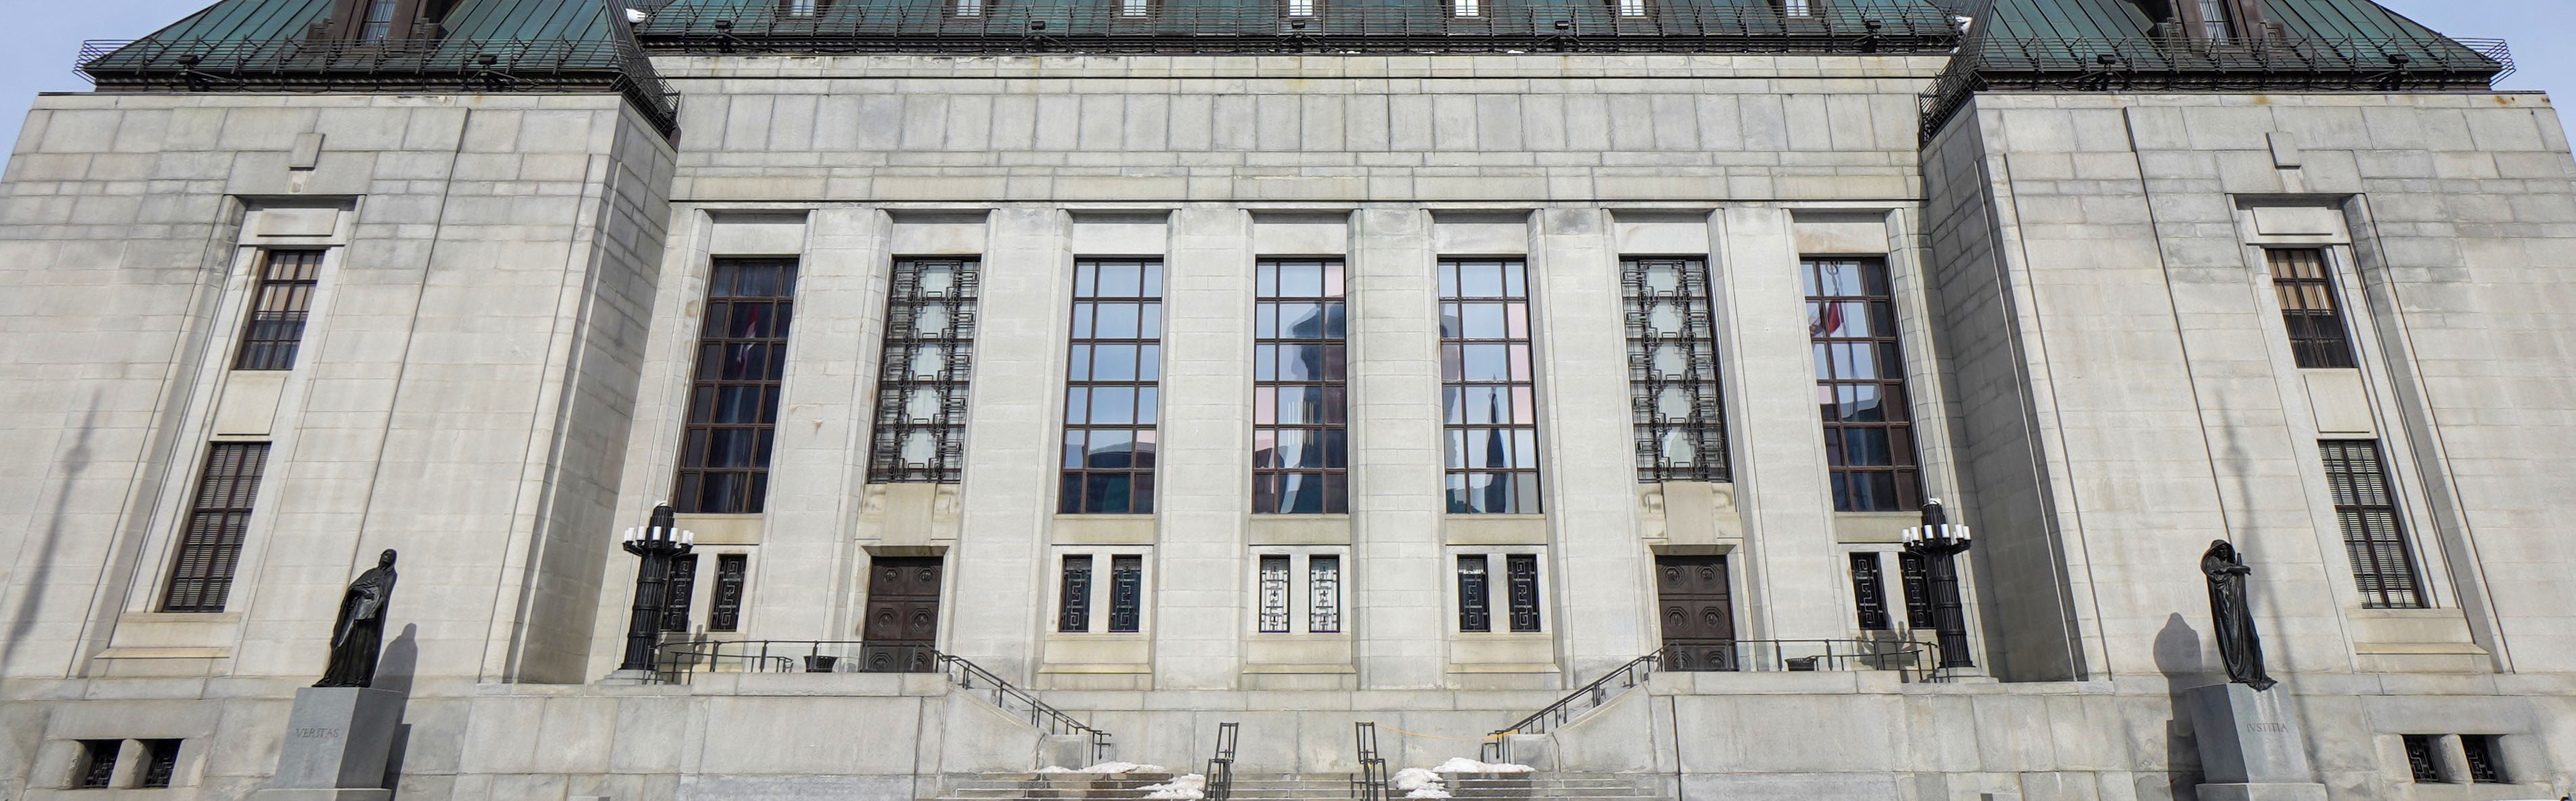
{"x": 1366, "y": 369}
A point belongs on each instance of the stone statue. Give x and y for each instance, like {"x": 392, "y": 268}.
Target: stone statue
{"x": 359, "y": 634}
{"x": 2238, "y": 644}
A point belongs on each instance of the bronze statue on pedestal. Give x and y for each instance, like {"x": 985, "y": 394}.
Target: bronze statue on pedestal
{"x": 2238, "y": 643}
{"x": 358, "y": 636}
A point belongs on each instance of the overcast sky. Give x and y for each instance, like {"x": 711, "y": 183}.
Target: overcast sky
{"x": 50, "y": 33}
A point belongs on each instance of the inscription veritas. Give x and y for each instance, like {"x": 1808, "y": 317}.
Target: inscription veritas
{"x": 320, "y": 731}
{"x": 2274, "y": 727}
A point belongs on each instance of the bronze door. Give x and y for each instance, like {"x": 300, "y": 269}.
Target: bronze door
{"x": 1698, "y": 612}
{"x": 902, "y": 615}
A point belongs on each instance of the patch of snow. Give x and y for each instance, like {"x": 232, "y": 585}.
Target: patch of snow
{"x": 1432, "y": 791}
{"x": 1465, "y": 765}
{"x": 1109, "y": 768}
{"x": 1415, "y": 779}
{"x": 1189, "y": 787}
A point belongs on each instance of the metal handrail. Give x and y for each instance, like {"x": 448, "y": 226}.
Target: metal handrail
{"x": 2269, "y": 64}
{"x": 676, "y": 662}
{"x": 1894, "y": 26}
{"x": 470, "y": 65}
{"x": 1370, "y": 785}
{"x": 1220, "y": 769}
{"x": 1631, "y": 674}
{"x": 1906, "y": 657}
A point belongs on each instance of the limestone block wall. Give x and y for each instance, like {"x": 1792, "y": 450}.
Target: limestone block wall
{"x": 475, "y": 332}
{"x": 2129, "y": 393}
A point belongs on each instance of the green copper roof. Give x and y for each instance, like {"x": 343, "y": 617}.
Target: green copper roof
{"x": 2064, "y": 19}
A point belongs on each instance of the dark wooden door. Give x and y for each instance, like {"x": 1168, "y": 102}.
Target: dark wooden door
{"x": 1698, "y": 612}
{"x": 902, "y": 614}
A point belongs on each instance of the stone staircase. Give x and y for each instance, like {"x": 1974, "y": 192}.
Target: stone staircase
{"x": 1307, "y": 787}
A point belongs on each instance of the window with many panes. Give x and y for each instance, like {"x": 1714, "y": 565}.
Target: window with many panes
{"x": 920, "y": 432}
{"x": 218, "y": 518}
{"x": 1860, "y": 385}
{"x": 1082, "y": 602}
{"x": 733, "y": 396}
{"x": 1488, "y": 397}
{"x": 1112, "y": 369}
{"x": 279, "y": 308}
{"x": 2383, "y": 567}
{"x": 725, "y": 613}
{"x": 1281, "y": 608}
{"x": 1869, "y": 591}
{"x": 2305, "y": 286}
{"x": 1300, "y": 430}
{"x": 1672, "y": 370}
{"x": 1518, "y": 591}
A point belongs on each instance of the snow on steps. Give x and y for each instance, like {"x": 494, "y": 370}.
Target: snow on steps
{"x": 1307, "y": 787}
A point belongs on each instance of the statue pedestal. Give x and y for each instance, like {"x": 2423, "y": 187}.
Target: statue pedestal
{"x": 337, "y": 742}
{"x": 2250, "y": 748}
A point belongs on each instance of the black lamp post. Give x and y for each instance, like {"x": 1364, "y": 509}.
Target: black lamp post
{"x": 655, "y": 544}
{"x": 1940, "y": 542}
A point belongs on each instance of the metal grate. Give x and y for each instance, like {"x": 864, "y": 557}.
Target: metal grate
{"x": 1860, "y": 385}
{"x": 1126, "y": 593}
{"x": 1274, "y": 594}
{"x": 1520, "y": 579}
{"x": 679, "y": 593}
{"x": 2383, "y": 566}
{"x": 1869, "y": 591}
{"x": 2420, "y": 763}
{"x": 1323, "y": 594}
{"x": 2480, "y": 753}
{"x": 97, "y": 765}
{"x": 1073, "y": 606}
{"x": 1474, "y": 610}
{"x": 218, "y": 518}
{"x": 1300, "y": 437}
{"x": 160, "y": 763}
{"x": 2318, "y": 338}
{"x": 1143, "y": 26}
{"x": 1488, "y": 396}
{"x": 1672, "y": 370}
{"x": 1113, "y": 372}
{"x": 725, "y": 614}
{"x": 1916, "y": 577}
{"x": 279, "y": 308}
{"x": 733, "y": 400}
{"x": 920, "y": 432}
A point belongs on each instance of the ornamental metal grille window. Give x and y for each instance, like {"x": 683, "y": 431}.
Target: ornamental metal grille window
{"x": 97, "y": 765}
{"x": 1916, "y": 576}
{"x": 1274, "y": 594}
{"x": 2419, "y": 758}
{"x": 1323, "y": 594}
{"x": 2383, "y": 567}
{"x": 1869, "y": 592}
{"x": 2318, "y": 338}
{"x": 278, "y": 309}
{"x": 1126, "y": 593}
{"x": 725, "y": 614}
{"x": 160, "y": 763}
{"x": 680, "y": 593}
{"x": 1860, "y": 385}
{"x": 1112, "y": 369}
{"x": 1073, "y": 604}
{"x": 2481, "y": 753}
{"x": 1300, "y": 429}
{"x": 1672, "y": 371}
{"x": 1473, "y": 612}
{"x": 1489, "y": 408}
{"x": 733, "y": 399}
{"x": 920, "y": 432}
{"x": 218, "y": 517}
{"x": 1520, "y": 576}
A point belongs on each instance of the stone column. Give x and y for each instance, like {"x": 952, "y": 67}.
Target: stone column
{"x": 806, "y": 558}
{"x": 1205, "y": 468}
{"x": 1395, "y": 597}
{"x": 1791, "y": 579}
{"x": 998, "y": 589}
{"x": 1591, "y": 455}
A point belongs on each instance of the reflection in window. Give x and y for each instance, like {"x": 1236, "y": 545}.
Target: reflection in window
{"x": 733, "y": 400}
{"x": 2383, "y": 567}
{"x": 1300, "y": 439}
{"x": 1672, "y": 371}
{"x": 1112, "y": 370}
{"x": 218, "y": 519}
{"x": 803, "y": 8}
{"x": 1301, "y": 8}
{"x": 1629, "y": 8}
{"x": 1489, "y": 408}
{"x": 1860, "y": 385}
{"x": 1135, "y": 8}
{"x": 1466, "y": 8}
{"x": 278, "y": 309}
{"x": 929, "y": 352}
{"x": 2306, "y": 290}
{"x": 1796, "y": 8}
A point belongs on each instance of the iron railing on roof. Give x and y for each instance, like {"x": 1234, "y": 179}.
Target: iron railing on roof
{"x": 1145, "y": 26}
{"x": 460, "y": 65}
{"x": 2164, "y": 64}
